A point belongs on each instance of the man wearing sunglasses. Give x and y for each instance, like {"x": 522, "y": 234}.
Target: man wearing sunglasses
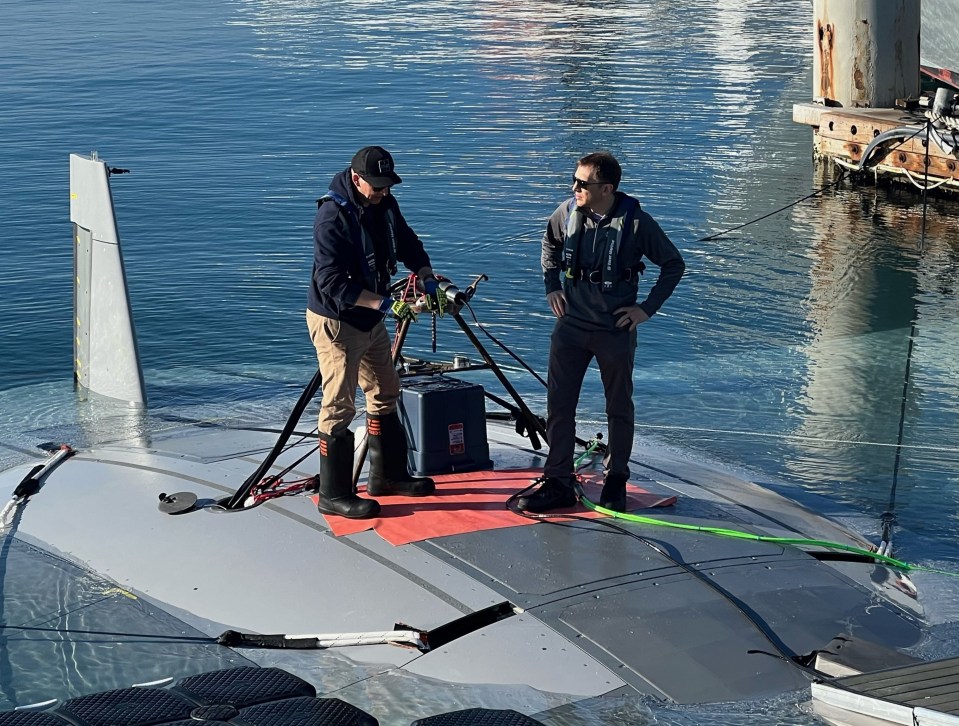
{"x": 359, "y": 235}
{"x": 592, "y": 256}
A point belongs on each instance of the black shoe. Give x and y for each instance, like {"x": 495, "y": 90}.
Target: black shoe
{"x": 613, "y": 495}
{"x": 553, "y": 493}
{"x": 389, "y": 472}
{"x": 336, "y": 495}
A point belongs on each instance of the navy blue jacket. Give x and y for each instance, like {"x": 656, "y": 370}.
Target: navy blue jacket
{"x": 339, "y": 267}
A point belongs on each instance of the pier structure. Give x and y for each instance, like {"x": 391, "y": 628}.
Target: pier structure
{"x": 868, "y": 113}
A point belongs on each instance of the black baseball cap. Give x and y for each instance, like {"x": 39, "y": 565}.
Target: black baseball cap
{"x": 375, "y": 164}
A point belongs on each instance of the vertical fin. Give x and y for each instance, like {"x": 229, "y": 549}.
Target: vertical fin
{"x": 106, "y": 360}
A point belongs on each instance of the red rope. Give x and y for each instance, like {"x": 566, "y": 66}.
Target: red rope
{"x": 270, "y": 488}
{"x": 409, "y": 296}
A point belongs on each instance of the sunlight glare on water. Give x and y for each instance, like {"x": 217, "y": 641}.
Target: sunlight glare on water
{"x": 814, "y": 350}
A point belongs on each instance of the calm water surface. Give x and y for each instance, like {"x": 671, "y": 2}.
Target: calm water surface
{"x": 815, "y": 350}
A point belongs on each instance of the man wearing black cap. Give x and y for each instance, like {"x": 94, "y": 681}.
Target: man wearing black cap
{"x": 359, "y": 235}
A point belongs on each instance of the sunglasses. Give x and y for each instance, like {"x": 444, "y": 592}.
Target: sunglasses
{"x": 580, "y": 184}
{"x": 374, "y": 188}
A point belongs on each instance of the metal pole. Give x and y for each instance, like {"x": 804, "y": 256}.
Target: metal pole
{"x": 533, "y": 425}
{"x": 866, "y": 51}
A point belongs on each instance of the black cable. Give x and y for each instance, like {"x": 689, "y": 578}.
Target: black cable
{"x": 819, "y": 191}
{"x": 766, "y": 216}
{"x": 925, "y": 190}
{"x": 501, "y": 345}
{"x": 147, "y": 636}
{"x": 274, "y": 479}
{"x": 782, "y": 650}
{"x": 888, "y": 518}
{"x": 236, "y": 501}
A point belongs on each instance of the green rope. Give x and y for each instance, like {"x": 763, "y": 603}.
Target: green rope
{"x": 590, "y": 448}
{"x": 737, "y": 534}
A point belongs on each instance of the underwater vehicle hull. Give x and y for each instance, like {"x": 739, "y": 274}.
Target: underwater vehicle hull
{"x": 511, "y": 612}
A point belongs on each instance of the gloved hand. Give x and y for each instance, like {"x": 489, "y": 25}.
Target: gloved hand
{"x": 435, "y": 298}
{"x": 398, "y": 309}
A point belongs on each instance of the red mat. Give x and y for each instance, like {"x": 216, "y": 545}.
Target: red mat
{"x": 471, "y": 502}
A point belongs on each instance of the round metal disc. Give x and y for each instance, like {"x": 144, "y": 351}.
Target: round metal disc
{"x": 177, "y": 503}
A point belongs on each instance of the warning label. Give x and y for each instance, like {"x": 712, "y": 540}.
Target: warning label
{"x": 457, "y": 439}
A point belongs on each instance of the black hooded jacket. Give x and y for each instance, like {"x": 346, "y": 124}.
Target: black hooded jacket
{"x": 339, "y": 267}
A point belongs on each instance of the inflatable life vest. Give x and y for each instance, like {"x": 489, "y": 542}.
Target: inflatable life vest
{"x": 612, "y": 235}
{"x": 363, "y": 240}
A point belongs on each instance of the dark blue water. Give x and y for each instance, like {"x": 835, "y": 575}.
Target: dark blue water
{"x": 815, "y": 350}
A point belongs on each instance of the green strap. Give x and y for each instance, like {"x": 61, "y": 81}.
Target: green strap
{"x": 737, "y": 534}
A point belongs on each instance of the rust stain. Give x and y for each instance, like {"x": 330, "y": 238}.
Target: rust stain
{"x": 862, "y": 68}
{"x": 843, "y": 135}
{"x": 825, "y": 34}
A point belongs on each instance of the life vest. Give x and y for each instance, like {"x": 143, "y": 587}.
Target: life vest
{"x": 363, "y": 241}
{"x": 612, "y": 236}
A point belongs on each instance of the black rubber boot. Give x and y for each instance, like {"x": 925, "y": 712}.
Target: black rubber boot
{"x": 336, "y": 480}
{"x": 389, "y": 473}
{"x": 553, "y": 493}
{"x": 613, "y": 495}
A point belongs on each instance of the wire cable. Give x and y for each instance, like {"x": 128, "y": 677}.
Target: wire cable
{"x": 515, "y": 357}
{"x": 782, "y": 651}
{"x": 773, "y": 213}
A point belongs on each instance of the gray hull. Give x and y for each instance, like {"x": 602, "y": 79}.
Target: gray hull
{"x": 594, "y": 611}
{"x": 540, "y": 617}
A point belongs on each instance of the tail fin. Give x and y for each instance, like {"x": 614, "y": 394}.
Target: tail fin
{"x": 106, "y": 359}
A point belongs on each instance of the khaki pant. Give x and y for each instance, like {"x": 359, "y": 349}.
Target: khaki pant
{"x": 349, "y": 358}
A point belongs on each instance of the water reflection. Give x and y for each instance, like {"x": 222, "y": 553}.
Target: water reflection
{"x": 63, "y": 627}
{"x": 782, "y": 354}
{"x": 861, "y": 309}
{"x": 865, "y": 388}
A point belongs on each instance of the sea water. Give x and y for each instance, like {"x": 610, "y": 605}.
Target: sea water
{"x": 813, "y": 351}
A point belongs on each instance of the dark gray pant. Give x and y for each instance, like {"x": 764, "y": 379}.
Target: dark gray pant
{"x": 571, "y": 350}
